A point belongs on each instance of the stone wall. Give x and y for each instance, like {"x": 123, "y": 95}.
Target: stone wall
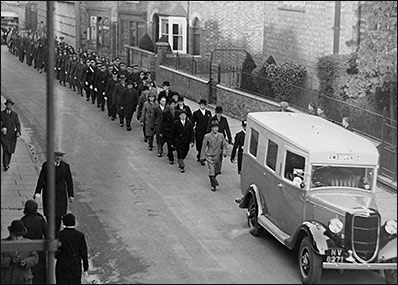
{"x": 234, "y": 102}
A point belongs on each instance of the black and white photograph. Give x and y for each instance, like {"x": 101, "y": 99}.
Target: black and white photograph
{"x": 198, "y": 142}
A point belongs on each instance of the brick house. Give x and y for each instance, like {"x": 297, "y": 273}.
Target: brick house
{"x": 295, "y": 31}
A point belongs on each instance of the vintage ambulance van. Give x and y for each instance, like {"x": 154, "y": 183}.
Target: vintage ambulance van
{"x": 311, "y": 184}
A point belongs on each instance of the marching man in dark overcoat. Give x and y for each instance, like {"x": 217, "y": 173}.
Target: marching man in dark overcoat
{"x": 10, "y": 131}
{"x": 63, "y": 188}
{"x": 238, "y": 146}
{"x": 200, "y": 119}
{"x": 183, "y": 137}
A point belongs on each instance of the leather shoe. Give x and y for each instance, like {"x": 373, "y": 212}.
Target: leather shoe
{"x": 213, "y": 189}
{"x": 182, "y": 170}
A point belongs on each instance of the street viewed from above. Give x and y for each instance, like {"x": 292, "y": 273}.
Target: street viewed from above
{"x": 194, "y": 142}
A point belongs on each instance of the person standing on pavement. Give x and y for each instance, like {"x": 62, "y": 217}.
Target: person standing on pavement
{"x": 169, "y": 116}
{"x": 129, "y": 102}
{"x": 71, "y": 253}
{"x": 223, "y": 126}
{"x": 63, "y": 188}
{"x": 183, "y": 137}
{"x": 214, "y": 147}
{"x": 157, "y": 119}
{"x": 320, "y": 112}
{"x": 10, "y": 130}
{"x": 238, "y": 146}
{"x": 148, "y": 111}
{"x": 200, "y": 118}
{"x": 37, "y": 228}
{"x": 16, "y": 266}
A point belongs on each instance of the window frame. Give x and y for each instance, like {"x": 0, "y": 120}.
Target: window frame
{"x": 298, "y": 153}
{"x": 250, "y": 142}
{"x": 171, "y": 21}
{"x": 266, "y": 155}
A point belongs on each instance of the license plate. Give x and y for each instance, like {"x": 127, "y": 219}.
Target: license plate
{"x": 335, "y": 255}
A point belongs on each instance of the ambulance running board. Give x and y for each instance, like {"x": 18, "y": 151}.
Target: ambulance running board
{"x": 272, "y": 229}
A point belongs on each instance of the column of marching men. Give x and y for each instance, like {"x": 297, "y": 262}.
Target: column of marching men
{"x": 122, "y": 91}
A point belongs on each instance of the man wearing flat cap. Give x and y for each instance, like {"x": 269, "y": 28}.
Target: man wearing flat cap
{"x": 16, "y": 266}
{"x": 10, "y": 130}
{"x": 63, "y": 188}
{"x": 200, "y": 118}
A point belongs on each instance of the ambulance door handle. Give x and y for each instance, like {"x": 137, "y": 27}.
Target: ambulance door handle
{"x": 280, "y": 185}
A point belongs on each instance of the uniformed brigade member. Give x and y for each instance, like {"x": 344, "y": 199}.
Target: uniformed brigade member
{"x": 68, "y": 62}
{"x": 79, "y": 75}
{"x": 116, "y": 62}
{"x": 88, "y": 77}
{"x": 109, "y": 68}
{"x": 62, "y": 66}
{"x": 116, "y": 97}
{"x": 110, "y": 87}
{"x": 21, "y": 47}
{"x": 95, "y": 88}
{"x": 130, "y": 73}
{"x": 57, "y": 67}
{"x": 100, "y": 84}
{"x": 136, "y": 73}
{"x": 72, "y": 72}
{"x": 123, "y": 69}
{"x": 30, "y": 45}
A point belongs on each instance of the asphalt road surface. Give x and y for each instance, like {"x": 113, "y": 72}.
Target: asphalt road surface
{"x": 145, "y": 221}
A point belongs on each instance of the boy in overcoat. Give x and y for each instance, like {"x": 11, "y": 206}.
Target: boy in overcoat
{"x": 183, "y": 137}
{"x": 71, "y": 254}
{"x": 10, "y": 130}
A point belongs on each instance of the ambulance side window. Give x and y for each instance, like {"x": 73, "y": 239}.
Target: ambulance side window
{"x": 294, "y": 165}
{"x": 272, "y": 153}
{"x": 253, "y": 142}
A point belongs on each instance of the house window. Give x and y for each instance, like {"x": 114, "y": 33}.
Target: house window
{"x": 253, "y": 142}
{"x": 272, "y": 154}
{"x": 131, "y": 33}
{"x": 99, "y": 32}
{"x": 175, "y": 29}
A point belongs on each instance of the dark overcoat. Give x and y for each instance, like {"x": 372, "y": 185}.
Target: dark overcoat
{"x": 182, "y": 136}
{"x": 63, "y": 188}
{"x": 71, "y": 254}
{"x": 37, "y": 228}
{"x": 39, "y": 56}
{"x": 117, "y": 97}
{"x": 129, "y": 101}
{"x": 167, "y": 123}
{"x": 13, "y": 125}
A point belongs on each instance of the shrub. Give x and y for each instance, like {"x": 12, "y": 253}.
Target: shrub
{"x": 146, "y": 43}
{"x": 284, "y": 78}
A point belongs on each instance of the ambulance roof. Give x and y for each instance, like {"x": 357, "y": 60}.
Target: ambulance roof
{"x": 315, "y": 135}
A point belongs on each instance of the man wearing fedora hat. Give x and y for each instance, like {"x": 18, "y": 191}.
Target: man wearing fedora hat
{"x": 200, "y": 119}
{"x": 16, "y": 266}
{"x": 63, "y": 188}
{"x": 166, "y": 92}
{"x": 10, "y": 130}
{"x": 213, "y": 149}
{"x": 182, "y": 137}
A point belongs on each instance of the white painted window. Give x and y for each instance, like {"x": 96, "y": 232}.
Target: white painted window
{"x": 175, "y": 28}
